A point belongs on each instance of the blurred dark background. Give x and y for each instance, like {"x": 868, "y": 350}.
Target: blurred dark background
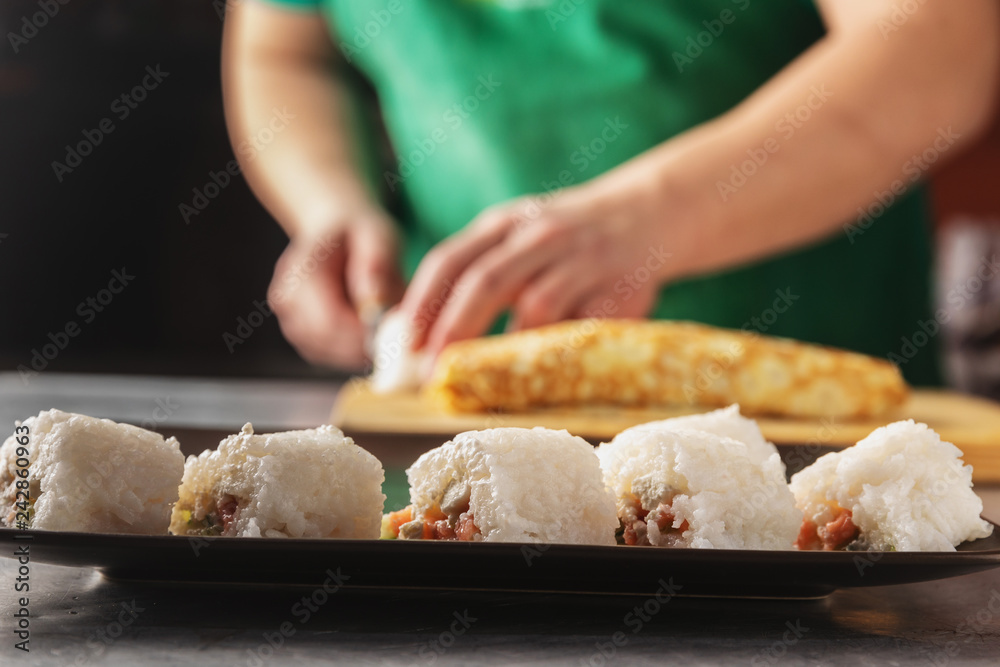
{"x": 62, "y": 68}
{"x": 120, "y": 207}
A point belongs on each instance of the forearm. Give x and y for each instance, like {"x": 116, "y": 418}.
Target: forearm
{"x": 290, "y": 122}
{"x": 761, "y": 179}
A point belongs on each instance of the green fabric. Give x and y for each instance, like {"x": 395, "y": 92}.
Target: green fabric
{"x": 396, "y": 489}
{"x": 554, "y": 76}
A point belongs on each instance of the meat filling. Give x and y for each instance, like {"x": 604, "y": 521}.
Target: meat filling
{"x": 642, "y": 527}
{"x": 217, "y": 522}
{"x": 435, "y": 525}
{"x": 834, "y": 535}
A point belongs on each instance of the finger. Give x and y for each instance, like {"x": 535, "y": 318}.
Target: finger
{"x": 372, "y": 270}
{"x": 307, "y": 293}
{"x": 606, "y": 303}
{"x": 301, "y": 261}
{"x": 319, "y": 346}
{"x": 489, "y": 285}
{"x": 325, "y": 329}
{"x": 554, "y": 296}
{"x": 435, "y": 278}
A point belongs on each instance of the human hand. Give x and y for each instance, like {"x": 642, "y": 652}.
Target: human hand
{"x": 326, "y": 277}
{"x": 595, "y": 248}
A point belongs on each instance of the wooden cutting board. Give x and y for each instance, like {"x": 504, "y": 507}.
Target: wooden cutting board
{"x": 973, "y": 424}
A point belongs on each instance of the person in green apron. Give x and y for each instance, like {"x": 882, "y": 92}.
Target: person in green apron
{"x": 742, "y": 163}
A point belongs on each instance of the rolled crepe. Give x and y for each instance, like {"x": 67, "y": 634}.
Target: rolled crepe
{"x": 90, "y": 475}
{"x": 313, "y": 484}
{"x": 677, "y": 487}
{"x": 636, "y": 362}
{"x": 509, "y": 485}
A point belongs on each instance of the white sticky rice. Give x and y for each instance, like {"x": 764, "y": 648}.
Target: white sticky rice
{"x": 906, "y": 488}
{"x": 729, "y": 497}
{"x": 92, "y": 475}
{"x": 727, "y": 422}
{"x": 523, "y": 485}
{"x": 314, "y": 484}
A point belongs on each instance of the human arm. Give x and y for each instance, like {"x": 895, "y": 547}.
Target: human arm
{"x": 280, "y": 82}
{"x": 883, "y": 97}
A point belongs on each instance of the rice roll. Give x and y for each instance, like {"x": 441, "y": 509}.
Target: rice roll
{"x": 900, "y": 489}
{"x": 311, "y": 484}
{"x": 677, "y": 487}
{"x": 508, "y": 485}
{"x": 726, "y": 422}
{"x": 89, "y": 475}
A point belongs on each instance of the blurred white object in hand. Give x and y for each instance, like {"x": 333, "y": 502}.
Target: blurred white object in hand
{"x": 396, "y": 366}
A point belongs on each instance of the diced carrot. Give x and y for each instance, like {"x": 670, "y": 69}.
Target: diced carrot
{"x": 434, "y": 514}
{"x": 808, "y": 539}
{"x": 398, "y": 518}
{"x": 428, "y": 533}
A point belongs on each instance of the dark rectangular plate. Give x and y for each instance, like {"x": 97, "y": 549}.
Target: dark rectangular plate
{"x": 493, "y": 566}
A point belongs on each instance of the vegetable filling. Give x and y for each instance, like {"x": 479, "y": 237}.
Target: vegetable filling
{"x": 838, "y": 534}
{"x": 435, "y": 525}
{"x": 642, "y": 527}
{"x": 217, "y": 522}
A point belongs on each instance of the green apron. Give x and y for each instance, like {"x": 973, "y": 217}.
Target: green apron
{"x": 485, "y": 100}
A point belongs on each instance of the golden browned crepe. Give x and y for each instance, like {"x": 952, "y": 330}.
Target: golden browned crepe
{"x": 640, "y": 362}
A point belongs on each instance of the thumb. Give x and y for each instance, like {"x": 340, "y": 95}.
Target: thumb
{"x": 372, "y": 272}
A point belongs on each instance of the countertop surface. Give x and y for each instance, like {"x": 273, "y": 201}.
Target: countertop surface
{"x": 78, "y": 617}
